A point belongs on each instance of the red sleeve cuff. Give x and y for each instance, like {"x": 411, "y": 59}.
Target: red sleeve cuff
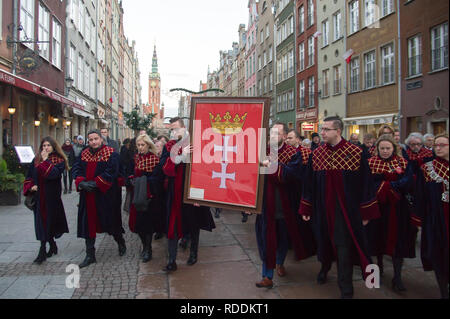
{"x": 27, "y": 185}
{"x": 103, "y": 185}
{"x": 370, "y": 210}
{"x": 416, "y": 221}
{"x": 45, "y": 168}
{"x": 169, "y": 168}
{"x": 305, "y": 208}
{"x": 121, "y": 181}
{"x": 78, "y": 180}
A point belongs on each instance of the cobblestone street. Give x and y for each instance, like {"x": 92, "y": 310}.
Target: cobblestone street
{"x": 228, "y": 267}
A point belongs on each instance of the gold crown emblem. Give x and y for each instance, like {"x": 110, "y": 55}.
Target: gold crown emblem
{"x": 225, "y": 125}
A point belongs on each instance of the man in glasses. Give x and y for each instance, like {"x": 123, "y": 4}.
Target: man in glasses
{"x": 416, "y": 152}
{"x": 339, "y": 199}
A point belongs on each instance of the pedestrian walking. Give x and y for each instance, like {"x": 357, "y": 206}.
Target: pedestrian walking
{"x": 277, "y": 225}
{"x": 432, "y": 198}
{"x": 79, "y": 146}
{"x": 147, "y": 209}
{"x": 96, "y": 174}
{"x": 181, "y": 218}
{"x": 339, "y": 198}
{"x": 43, "y": 183}
{"x": 393, "y": 234}
{"x": 70, "y": 155}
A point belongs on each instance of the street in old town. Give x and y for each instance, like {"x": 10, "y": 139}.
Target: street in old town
{"x": 228, "y": 267}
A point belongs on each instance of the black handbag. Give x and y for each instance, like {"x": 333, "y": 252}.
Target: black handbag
{"x": 30, "y": 201}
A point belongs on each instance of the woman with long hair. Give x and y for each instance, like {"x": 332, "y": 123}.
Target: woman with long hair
{"x": 146, "y": 222}
{"x": 44, "y": 183}
{"x": 393, "y": 234}
{"x": 432, "y": 198}
{"x": 70, "y": 154}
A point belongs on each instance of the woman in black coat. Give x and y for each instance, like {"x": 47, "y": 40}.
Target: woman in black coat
{"x": 44, "y": 183}
{"x": 70, "y": 155}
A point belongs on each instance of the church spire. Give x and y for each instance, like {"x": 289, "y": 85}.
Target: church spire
{"x": 155, "y": 62}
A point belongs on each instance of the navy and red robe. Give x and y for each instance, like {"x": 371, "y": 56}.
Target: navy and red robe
{"x": 152, "y": 220}
{"x": 49, "y": 215}
{"x": 339, "y": 175}
{"x": 96, "y": 211}
{"x": 185, "y": 217}
{"x": 393, "y": 234}
{"x": 433, "y": 217}
{"x": 291, "y": 168}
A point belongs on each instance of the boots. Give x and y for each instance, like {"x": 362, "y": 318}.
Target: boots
{"x": 142, "y": 237}
{"x": 397, "y": 283}
{"x": 42, "y": 256}
{"x": 322, "y": 276}
{"x": 194, "y": 249}
{"x": 90, "y": 253}
{"x": 147, "y": 252}
{"x": 121, "y": 244}
{"x": 171, "y": 266}
{"x": 53, "y": 248}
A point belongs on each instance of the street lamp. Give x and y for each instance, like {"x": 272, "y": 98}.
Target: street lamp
{"x": 12, "y": 111}
{"x": 69, "y": 83}
{"x": 37, "y": 123}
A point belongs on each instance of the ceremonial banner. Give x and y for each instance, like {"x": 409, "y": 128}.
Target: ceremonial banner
{"x": 228, "y": 136}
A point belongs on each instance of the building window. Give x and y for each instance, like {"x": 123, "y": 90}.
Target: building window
{"x": 325, "y": 30}
{"x": 279, "y": 70}
{"x": 270, "y": 81}
{"x": 301, "y": 56}
{"x": 325, "y": 84}
{"x": 285, "y": 67}
{"x": 439, "y": 47}
{"x": 354, "y": 75}
{"x": 80, "y": 73}
{"x": 291, "y": 63}
{"x": 92, "y": 82}
{"x": 267, "y": 31}
{"x": 311, "y": 98}
{"x": 265, "y": 84}
{"x": 337, "y": 79}
{"x": 291, "y": 100}
{"x": 44, "y": 31}
{"x": 310, "y": 51}
{"x": 301, "y": 20}
{"x": 369, "y": 65}
{"x": 27, "y": 21}
{"x": 279, "y": 103}
{"x": 270, "y": 53}
{"x": 354, "y": 16}
{"x": 87, "y": 24}
{"x": 387, "y": 7}
{"x": 301, "y": 93}
{"x": 81, "y": 18}
{"x": 74, "y": 11}
{"x": 86, "y": 79}
{"x": 72, "y": 62}
{"x": 387, "y": 60}
{"x": 93, "y": 36}
{"x": 369, "y": 10}
{"x": 259, "y": 62}
{"x": 56, "y": 54}
{"x": 264, "y": 58}
{"x": 414, "y": 55}
{"x": 291, "y": 25}
{"x": 310, "y": 13}
{"x": 337, "y": 25}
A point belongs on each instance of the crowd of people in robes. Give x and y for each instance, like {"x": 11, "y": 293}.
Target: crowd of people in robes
{"x": 340, "y": 200}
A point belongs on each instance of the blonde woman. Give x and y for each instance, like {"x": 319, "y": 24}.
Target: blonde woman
{"x": 148, "y": 220}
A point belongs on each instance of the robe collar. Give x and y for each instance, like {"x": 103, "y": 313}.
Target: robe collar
{"x": 337, "y": 146}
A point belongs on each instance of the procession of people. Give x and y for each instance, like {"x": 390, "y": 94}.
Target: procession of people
{"x": 339, "y": 200}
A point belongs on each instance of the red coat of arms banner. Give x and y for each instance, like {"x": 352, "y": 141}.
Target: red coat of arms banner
{"x": 227, "y": 136}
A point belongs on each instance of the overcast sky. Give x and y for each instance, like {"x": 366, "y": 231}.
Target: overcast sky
{"x": 188, "y": 37}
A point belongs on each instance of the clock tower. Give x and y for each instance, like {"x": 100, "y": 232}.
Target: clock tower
{"x": 154, "y": 88}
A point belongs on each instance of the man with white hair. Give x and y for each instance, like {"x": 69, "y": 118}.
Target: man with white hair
{"x": 429, "y": 141}
{"x": 415, "y": 150}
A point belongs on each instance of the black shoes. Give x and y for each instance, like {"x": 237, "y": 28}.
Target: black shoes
{"x": 192, "y": 259}
{"x": 53, "y": 250}
{"x": 122, "y": 249}
{"x": 171, "y": 266}
{"x": 244, "y": 218}
{"x": 158, "y": 236}
{"x": 42, "y": 256}
{"x": 183, "y": 243}
{"x": 147, "y": 255}
{"x": 65, "y": 191}
{"x": 397, "y": 285}
{"x": 90, "y": 259}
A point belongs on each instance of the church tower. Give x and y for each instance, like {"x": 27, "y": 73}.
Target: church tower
{"x": 154, "y": 92}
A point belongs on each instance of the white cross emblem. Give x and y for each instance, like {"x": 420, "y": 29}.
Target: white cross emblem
{"x": 225, "y": 149}
{"x": 223, "y": 176}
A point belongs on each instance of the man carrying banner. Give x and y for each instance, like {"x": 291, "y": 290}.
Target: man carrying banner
{"x": 278, "y": 223}
{"x": 182, "y": 218}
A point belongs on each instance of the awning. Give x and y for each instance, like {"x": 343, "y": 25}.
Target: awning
{"x": 370, "y": 120}
{"x": 83, "y": 114}
{"x": 21, "y": 83}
